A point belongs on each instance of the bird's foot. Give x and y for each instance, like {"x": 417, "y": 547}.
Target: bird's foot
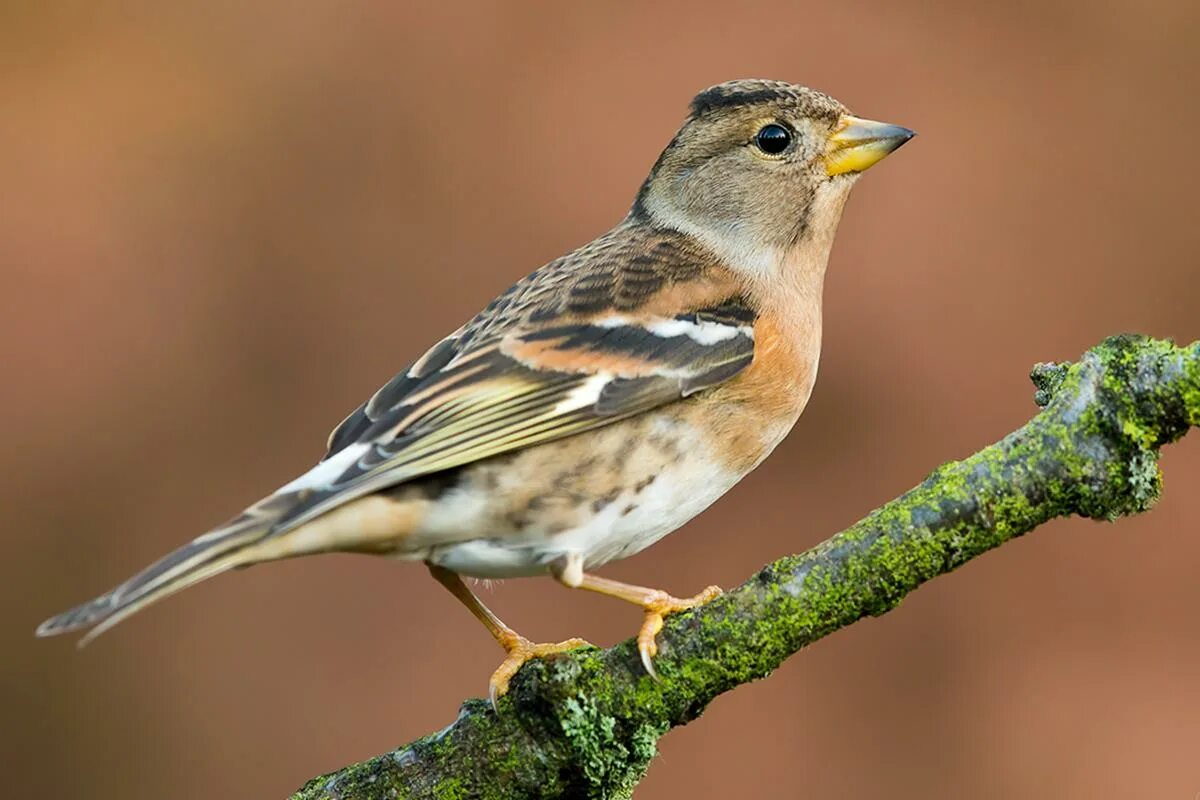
{"x": 657, "y": 606}
{"x": 519, "y": 651}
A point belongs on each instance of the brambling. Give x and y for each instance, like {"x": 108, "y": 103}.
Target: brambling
{"x": 602, "y": 401}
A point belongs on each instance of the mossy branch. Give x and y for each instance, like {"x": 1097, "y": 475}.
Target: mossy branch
{"x": 585, "y": 724}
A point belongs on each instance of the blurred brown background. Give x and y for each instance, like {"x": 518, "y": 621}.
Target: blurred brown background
{"x": 225, "y": 224}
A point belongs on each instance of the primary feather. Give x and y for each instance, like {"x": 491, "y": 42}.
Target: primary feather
{"x": 576, "y": 345}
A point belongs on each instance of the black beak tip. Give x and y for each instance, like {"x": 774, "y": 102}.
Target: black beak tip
{"x": 901, "y": 137}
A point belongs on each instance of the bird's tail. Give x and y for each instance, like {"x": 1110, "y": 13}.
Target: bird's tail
{"x": 219, "y": 550}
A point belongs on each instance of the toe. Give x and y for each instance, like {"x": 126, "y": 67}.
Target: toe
{"x": 542, "y": 650}
{"x": 647, "y": 646}
{"x": 521, "y": 650}
{"x": 498, "y": 683}
{"x": 656, "y": 609}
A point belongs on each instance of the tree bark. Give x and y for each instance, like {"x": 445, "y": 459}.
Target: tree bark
{"x": 586, "y": 723}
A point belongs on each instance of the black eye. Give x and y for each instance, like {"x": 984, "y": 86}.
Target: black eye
{"x": 773, "y": 139}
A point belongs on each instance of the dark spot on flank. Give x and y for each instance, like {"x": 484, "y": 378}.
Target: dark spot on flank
{"x": 667, "y": 445}
{"x": 605, "y": 500}
{"x": 643, "y": 484}
{"x": 628, "y": 509}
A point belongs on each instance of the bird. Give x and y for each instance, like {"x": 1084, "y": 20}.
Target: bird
{"x": 601, "y": 402}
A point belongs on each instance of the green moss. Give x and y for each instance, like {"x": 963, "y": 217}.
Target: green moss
{"x": 451, "y": 789}
{"x": 511, "y": 762}
{"x": 367, "y": 780}
{"x": 1048, "y": 379}
{"x": 609, "y": 767}
{"x": 1191, "y": 389}
{"x": 587, "y": 724}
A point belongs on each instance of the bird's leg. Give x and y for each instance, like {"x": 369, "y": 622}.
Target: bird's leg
{"x": 654, "y": 603}
{"x": 519, "y": 648}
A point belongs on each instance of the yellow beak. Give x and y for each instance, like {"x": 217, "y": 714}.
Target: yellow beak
{"x": 858, "y": 144}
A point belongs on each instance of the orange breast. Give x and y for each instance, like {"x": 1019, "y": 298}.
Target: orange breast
{"x": 752, "y": 413}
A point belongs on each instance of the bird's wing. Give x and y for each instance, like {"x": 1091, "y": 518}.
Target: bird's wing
{"x": 627, "y": 323}
{"x": 571, "y": 348}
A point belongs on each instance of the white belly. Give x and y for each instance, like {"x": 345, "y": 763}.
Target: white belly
{"x": 672, "y": 501}
{"x": 623, "y": 527}
{"x": 619, "y": 525}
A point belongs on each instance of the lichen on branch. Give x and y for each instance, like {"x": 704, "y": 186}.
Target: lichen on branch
{"x": 586, "y": 723}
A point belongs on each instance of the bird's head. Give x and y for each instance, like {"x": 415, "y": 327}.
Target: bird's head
{"x": 760, "y": 166}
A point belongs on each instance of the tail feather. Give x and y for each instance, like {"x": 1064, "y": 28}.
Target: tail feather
{"x": 216, "y": 551}
{"x": 131, "y": 606}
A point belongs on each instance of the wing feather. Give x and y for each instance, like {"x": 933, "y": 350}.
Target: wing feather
{"x": 636, "y": 319}
{"x": 528, "y": 387}
{"x": 624, "y": 325}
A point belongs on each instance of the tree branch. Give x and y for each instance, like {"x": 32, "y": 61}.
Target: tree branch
{"x": 585, "y": 724}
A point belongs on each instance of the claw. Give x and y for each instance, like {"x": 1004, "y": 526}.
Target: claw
{"x": 656, "y": 609}
{"x": 521, "y": 650}
{"x": 648, "y": 654}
